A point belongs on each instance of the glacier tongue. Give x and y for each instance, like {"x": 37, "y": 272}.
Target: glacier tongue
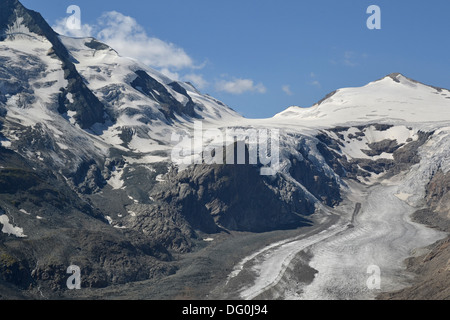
{"x": 379, "y": 233}
{"x": 383, "y": 236}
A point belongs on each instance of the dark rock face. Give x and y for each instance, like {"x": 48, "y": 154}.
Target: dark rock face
{"x": 88, "y": 178}
{"x": 328, "y": 96}
{"x": 324, "y": 188}
{"x": 89, "y": 110}
{"x": 147, "y": 85}
{"x": 190, "y": 105}
{"x": 408, "y": 155}
{"x": 14, "y": 270}
{"x": 330, "y": 148}
{"x": 237, "y": 197}
{"x": 438, "y": 200}
{"x": 377, "y": 148}
{"x": 96, "y": 45}
{"x": 382, "y": 126}
{"x": 233, "y": 197}
{"x": 405, "y": 155}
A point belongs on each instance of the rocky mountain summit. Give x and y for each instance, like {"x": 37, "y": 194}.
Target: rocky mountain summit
{"x": 87, "y": 175}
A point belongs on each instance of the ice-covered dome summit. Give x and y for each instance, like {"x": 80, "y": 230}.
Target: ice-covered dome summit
{"x": 394, "y": 98}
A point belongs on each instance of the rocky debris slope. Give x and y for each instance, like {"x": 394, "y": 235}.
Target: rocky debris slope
{"x": 57, "y": 229}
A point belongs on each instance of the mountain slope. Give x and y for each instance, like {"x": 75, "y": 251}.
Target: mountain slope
{"x": 87, "y": 175}
{"x": 54, "y": 156}
{"x": 394, "y": 99}
{"x": 85, "y": 138}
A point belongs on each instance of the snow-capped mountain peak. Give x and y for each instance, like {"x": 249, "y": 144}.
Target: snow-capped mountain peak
{"x": 67, "y": 84}
{"x": 394, "y": 98}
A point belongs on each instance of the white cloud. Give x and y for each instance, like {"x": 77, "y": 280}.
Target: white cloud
{"x": 287, "y": 89}
{"x": 240, "y": 86}
{"x": 170, "y": 74}
{"x": 65, "y": 27}
{"x": 128, "y": 37}
{"x": 316, "y": 83}
{"x": 125, "y": 35}
{"x": 349, "y": 59}
{"x": 197, "y": 80}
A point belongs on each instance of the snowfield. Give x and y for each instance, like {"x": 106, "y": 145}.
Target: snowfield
{"x": 9, "y": 228}
{"x": 393, "y": 99}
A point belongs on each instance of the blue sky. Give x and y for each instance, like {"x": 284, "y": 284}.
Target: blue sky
{"x": 262, "y": 56}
